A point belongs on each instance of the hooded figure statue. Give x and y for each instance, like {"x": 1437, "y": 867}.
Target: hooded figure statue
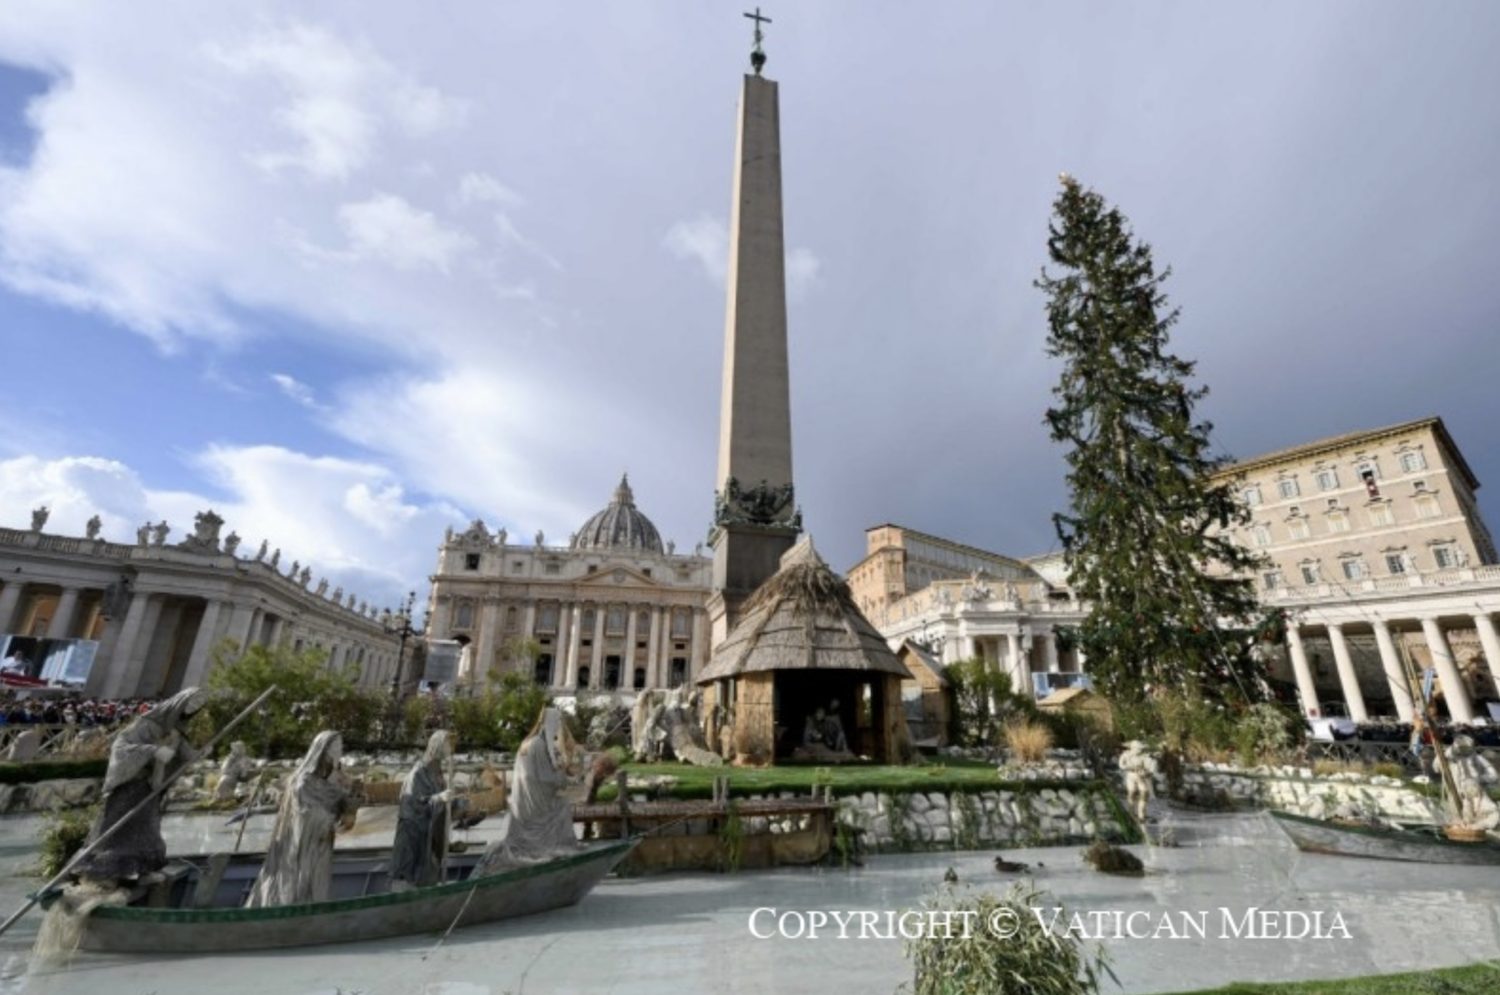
{"x": 1471, "y": 775}
{"x": 422, "y": 821}
{"x": 141, "y": 759}
{"x": 299, "y": 859}
{"x": 538, "y": 822}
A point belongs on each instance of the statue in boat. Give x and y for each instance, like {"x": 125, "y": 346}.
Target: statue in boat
{"x": 141, "y": 759}
{"x": 316, "y": 798}
{"x": 422, "y": 820}
{"x": 538, "y": 821}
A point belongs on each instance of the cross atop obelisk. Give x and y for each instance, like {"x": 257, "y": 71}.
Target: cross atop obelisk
{"x": 757, "y": 54}
{"x": 755, "y": 511}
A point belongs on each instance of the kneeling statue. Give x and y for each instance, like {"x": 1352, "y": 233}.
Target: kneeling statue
{"x": 538, "y": 821}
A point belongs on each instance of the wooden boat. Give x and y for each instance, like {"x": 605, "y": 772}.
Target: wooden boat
{"x": 197, "y": 908}
{"x": 1420, "y": 844}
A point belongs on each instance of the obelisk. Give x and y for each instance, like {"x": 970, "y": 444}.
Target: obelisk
{"x": 755, "y": 514}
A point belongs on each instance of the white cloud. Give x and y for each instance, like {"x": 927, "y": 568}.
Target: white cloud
{"x": 386, "y": 227}
{"x": 482, "y": 188}
{"x": 348, "y": 520}
{"x": 295, "y": 389}
{"x": 703, "y": 240}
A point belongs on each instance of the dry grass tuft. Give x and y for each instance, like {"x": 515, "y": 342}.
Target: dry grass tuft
{"x": 1028, "y": 742}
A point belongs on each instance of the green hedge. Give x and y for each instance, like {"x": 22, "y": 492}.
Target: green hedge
{"x": 1475, "y": 979}
{"x": 51, "y": 770}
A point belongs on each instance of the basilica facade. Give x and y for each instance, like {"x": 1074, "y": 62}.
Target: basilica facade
{"x": 615, "y": 610}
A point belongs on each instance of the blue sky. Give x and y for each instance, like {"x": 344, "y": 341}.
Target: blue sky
{"x": 353, "y": 273}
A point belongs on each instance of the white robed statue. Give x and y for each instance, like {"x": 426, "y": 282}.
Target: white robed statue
{"x": 1139, "y": 768}
{"x": 299, "y": 859}
{"x": 538, "y": 823}
{"x": 422, "y": 819}
{"x": 1471, "y": 776}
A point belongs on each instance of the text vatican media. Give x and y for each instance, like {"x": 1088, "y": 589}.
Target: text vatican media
{"x": 1112, "y": 924}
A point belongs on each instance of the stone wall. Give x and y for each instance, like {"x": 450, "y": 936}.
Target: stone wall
{"x": 1010, "y": 815}
{"x": 1299, "y": 791}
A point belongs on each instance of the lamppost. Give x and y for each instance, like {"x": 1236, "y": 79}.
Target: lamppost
{"x": 399, "y": 624}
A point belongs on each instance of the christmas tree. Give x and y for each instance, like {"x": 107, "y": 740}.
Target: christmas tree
{"x": 1171, "y": 606}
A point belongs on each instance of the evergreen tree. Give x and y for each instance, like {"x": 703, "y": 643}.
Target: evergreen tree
{"x": 1172, "y": 608}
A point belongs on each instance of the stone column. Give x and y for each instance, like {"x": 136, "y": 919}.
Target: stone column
{"x": 627, "y": 679}
{"x": 1455, "y": 692}
{"x": 203, "y": 644}
{"x": 966, "y": 648}
{"x": 61, "y": 625}
{"x": 486, "y": 644}
{"x": 134, "y": 630}
{"x": 1490, "y": 640}
{"x": 575, "y": 614}
{"x": 695, "y": 646}
{"x": 1307, "y": 689}
{"x": 10, "y": 597}
{"x": 1049, "y": 650}
{"x": 596, "y": 657}
{"x": 1020, "y": 672}
{"x": 560, "y": 638}
{"x": 1395, "y": 670}
{"x": 1348, "y": 679}
{"x": 240, "y": 621}
{"x": 653, "y": 651}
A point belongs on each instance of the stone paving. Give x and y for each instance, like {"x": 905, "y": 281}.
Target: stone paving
{"x": 692, "y": 932}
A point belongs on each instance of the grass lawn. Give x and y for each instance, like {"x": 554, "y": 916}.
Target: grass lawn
{"x": 948, "y": 774}
{"x": 1474, "y": 979}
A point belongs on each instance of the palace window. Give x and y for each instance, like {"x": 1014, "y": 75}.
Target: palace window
{"x": 463, "y": 615}
{"x": 1251, "y": 495}
{"x": 1412, "y": 461}
{"x": 1381, "y": 514}
{"x": 583, "y": 677}
{"x": 1370, "y": 478}
{"x": 611, "y": 673}
{"x": 541, "y": 672}
{"x": 546, "y": 618}
{"x": 1287, "y": 487}
{"x": 682, "y": 623}
{"x": 1445, "y": 555}
{"x": 1338, "y": 521}
{"x": 512, "y": 619}
{"x": 471, "y": 561}
{"x": 1395, "y": 563}
{"x": 1328, "y": 478}
{"x": 1272, "y": 579}
{"x": 638, "y": 679}
{"x": 586, "y": 622}
{"x": 1309, "y": 573}
{"x": 678, "y": 671}
{"x": 1260, "y": 535}
{"x": 1298, "y": 528}
{"x": 642, "y": 624}
{"x": 553, "y": 568}
{"x": 1354, "y": 568}
{"x": 517, "y": 566}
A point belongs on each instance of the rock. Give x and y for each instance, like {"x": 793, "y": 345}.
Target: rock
{"x": 919, "y": 803}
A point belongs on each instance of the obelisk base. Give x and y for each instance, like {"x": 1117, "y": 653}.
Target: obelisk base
{"x": 745, "y": 556}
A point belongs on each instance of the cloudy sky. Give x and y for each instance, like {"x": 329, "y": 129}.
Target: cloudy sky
{"x": 351, "y": 272}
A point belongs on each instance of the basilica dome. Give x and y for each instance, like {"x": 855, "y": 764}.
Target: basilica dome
{"x": 619, "y": 526}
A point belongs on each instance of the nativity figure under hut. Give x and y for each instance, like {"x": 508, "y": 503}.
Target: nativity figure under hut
{"x": 315, "y": 799}
{"x": 1475, "y": 809}
{"x": 422, "y": 818}
{"x": 142, "y": 758}
{"x": 538, "y": 821}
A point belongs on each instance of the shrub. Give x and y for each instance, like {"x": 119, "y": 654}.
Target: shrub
{"x": 1028, "y": 741}
{"x": 1264, "y": 732}
{"x": 50, "y": 770}
{"x": 309, "y": 698}
{"x": 982, "y": 701}
{"x": 586, "y": 707}
{"x": 63, "y": 835}
{"x": 1035, "y": 960}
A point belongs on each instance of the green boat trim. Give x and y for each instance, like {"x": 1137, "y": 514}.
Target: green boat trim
{"x": 392, "y": 898}
{"x": 1378, "y": 832}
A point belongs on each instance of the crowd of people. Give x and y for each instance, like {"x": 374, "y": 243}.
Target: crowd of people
{"x": 88, "y": 712}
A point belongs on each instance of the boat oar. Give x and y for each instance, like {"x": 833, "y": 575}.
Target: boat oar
{"x": 148, "y": 800}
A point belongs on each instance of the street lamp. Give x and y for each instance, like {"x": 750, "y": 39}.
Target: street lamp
{"x": 399, "y": 624}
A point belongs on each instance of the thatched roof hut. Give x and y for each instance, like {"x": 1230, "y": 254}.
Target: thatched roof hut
{"x": 804, "y": 655}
